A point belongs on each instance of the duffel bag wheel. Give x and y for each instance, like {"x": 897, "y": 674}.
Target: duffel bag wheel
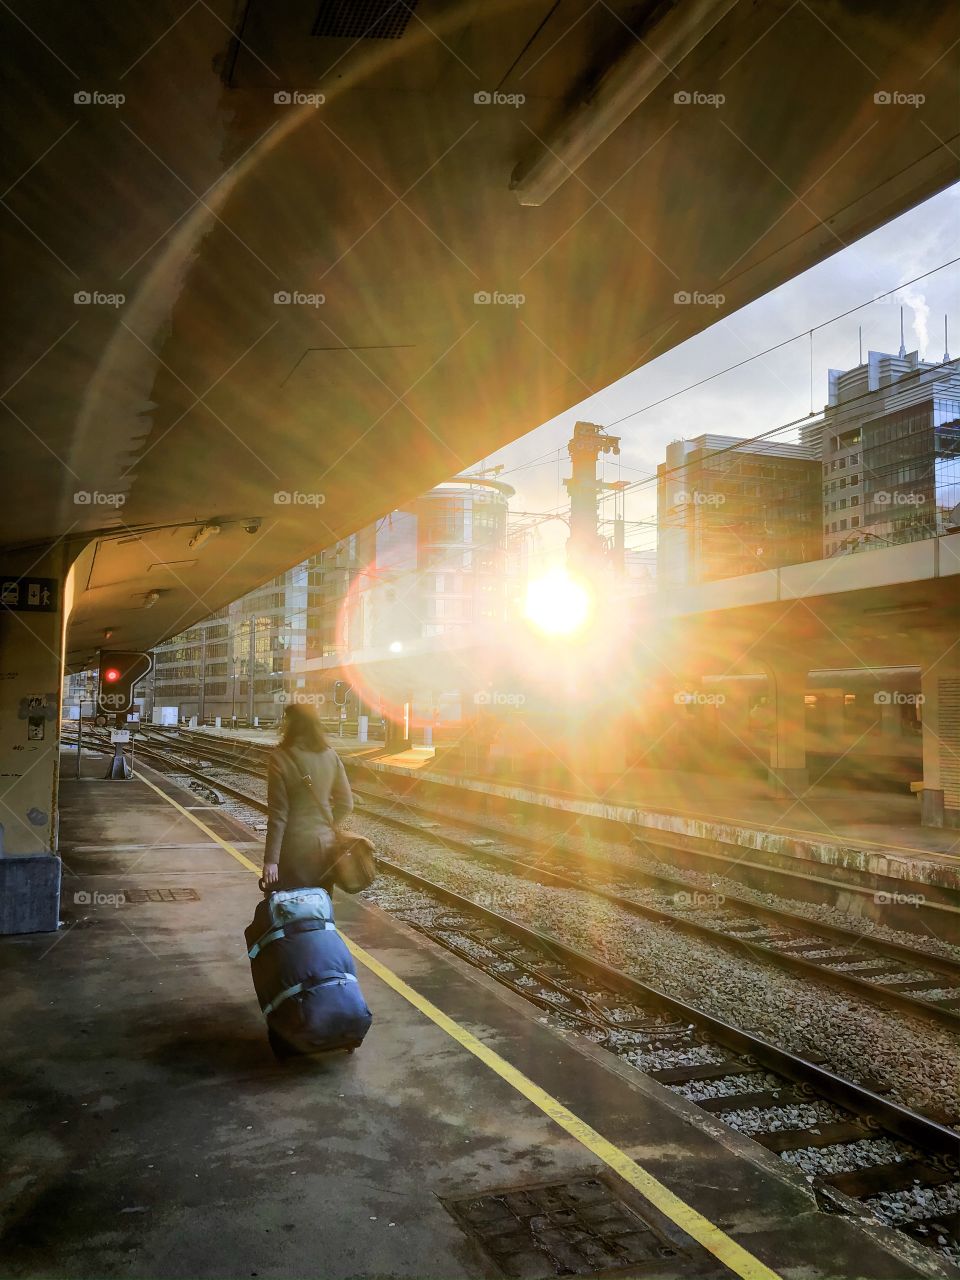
{"x": 281, "y": 1050}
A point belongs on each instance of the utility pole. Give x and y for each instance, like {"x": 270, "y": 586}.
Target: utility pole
{"x": 585, "y": 547}
{"x": 251, "y": 669}
{"x": 203, "y": 675}
{"x": 619, "y": 546}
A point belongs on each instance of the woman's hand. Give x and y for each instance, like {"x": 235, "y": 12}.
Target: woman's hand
{"x": 271, "y": 873}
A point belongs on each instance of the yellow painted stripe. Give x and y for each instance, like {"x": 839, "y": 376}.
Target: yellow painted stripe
{"x": 739, "y": 1260}
{"x": 733, "y": 1255}
{"x": 224, "y": 844}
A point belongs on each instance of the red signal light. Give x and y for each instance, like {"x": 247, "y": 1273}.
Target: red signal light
{"x": 111, "y": 675}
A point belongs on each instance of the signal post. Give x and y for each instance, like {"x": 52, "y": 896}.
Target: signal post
{"x": 118, "y": 672}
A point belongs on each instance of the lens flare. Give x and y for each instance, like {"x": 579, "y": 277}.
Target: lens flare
{"x": 557, "y": 604}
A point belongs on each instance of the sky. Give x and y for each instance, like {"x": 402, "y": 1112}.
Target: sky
{"x": 770, "y": 390}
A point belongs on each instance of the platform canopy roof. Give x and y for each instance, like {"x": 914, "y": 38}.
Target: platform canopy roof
{"x": 277, "y": 266}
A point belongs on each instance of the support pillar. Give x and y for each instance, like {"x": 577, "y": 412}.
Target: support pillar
{"x": 940, "y": 721}
{"x": 31, "y": 676}
{"x": 398, "y": 730}
{"x": 787, "y": 770}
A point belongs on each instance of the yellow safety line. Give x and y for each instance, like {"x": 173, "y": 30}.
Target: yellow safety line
{"x": 224, "y": 844}
{"x": 701, "y": 1229}
{"x": 739, "y": 1260}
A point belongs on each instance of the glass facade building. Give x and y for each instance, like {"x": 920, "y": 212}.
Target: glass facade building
{"x": 236, "y": 662}
{"x": 431, "y": 568}
{"x": 911, "y": 465}
{"x": 888, "y": 452}
{"x": 882, "y": 467}
{"x": 727, "y": 507}
{"x": 462, "y": 550}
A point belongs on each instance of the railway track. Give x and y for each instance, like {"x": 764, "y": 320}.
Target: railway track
{"x": 936, "y": 910}
{"x": 887, "y": 973}
{"x": 901, "y": 976}
{"x": 815, "y": 1116}
{"x": 862, "y": 1152}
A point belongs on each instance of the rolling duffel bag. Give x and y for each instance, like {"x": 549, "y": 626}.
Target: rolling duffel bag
{"x": 304, "y": 975}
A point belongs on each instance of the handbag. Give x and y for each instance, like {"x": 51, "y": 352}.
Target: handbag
{"x": 354, "y": 867}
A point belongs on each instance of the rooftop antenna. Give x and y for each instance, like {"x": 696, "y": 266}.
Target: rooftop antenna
{"x": 946, "y": 344}
{"x": 860, "y": 341}
{"x": 903, "y": 350}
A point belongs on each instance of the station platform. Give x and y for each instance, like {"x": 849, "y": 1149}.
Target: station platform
{"x": 148, "y": 1131}
{"x": 270, "y": 737}
{"x": 876, "y": 833}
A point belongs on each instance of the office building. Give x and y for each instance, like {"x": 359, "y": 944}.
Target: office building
{"x": 434, "y": 567}
{"x": 726, "y": 507}
{"x": 890, "y": 452}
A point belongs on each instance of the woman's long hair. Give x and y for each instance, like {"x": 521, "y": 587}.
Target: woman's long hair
{"x": 302, "y": 728}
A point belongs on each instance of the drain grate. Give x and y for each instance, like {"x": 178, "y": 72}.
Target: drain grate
{"x": 160, "y": 895}
{"x": 573, "y": 1228}
{"x": 363, "y": 19}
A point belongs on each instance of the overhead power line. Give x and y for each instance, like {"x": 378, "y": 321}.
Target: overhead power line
{"x": 904, "y": 284}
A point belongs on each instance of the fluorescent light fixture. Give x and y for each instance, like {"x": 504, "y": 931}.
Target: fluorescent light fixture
{"x": 203, "y": 534}
{"x": 630, "y": 80}
{"x": 890, "y": 610}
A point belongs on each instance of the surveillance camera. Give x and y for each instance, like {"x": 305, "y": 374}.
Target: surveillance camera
{"x": 252, "y": 526}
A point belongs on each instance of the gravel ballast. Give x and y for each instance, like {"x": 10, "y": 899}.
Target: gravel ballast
{"x": 918, "y": 1063}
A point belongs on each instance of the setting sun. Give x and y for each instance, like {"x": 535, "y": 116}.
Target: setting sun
{"x": 557, "y": 604}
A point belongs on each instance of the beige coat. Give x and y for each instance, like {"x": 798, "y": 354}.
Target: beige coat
{"x": 301, "y": 824}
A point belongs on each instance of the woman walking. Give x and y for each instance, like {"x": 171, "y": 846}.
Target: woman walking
{"x": 308, "y": 796}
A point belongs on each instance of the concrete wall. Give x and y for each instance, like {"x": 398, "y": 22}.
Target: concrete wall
{"x": 883, "y": 567}
{"x": 31, "y": 674}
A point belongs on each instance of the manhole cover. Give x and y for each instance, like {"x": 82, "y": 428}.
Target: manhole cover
{"x": 565, "y": 1228}
{"x": 160, "y": 895}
